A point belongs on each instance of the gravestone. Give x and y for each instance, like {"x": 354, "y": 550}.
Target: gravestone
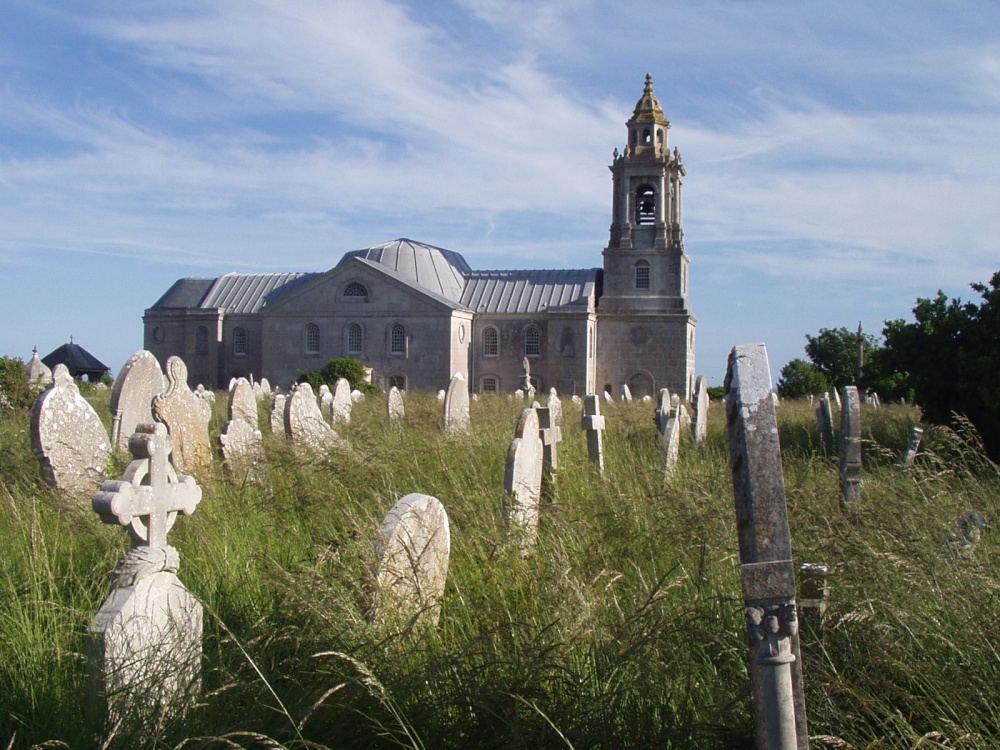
{"x": 242, "y": 448}
{"x": 326, "y": 402}
{"x": 526, "y": 387}
{"x": 68, "y": 437}
{"x": 555, "y": 407}
{"x": 304, "y": 423}
{"x": 278, "y": 414}
{"x": 519, "y": 394}
{"x": 440, "y": 395}
{"x": 766, "y": 567}
{"x": 916, "y": 434}
{"x": 593, "y": 423}
{"x": 576, "y": 400}
{"x": 186, "y": 417}
{"x": 145, "y": 640}
{"x": 257, "y": 392}
{"x": 551, "y": 435}
{"x": 138, "y": 382}
{"x": 201, "y": 393}
{"x": 265, "y": 388}
{"x": 522, "y": 481}
{"x": 824, "y": 418}
{"x": 357, "y": 396}
{"x": 672, "y": 442}
{"x": 243, "y": 402}
{"x": 607, "y": 398}
{"x": 836, "y": 398}
{"x": 39, "y": 374}
{"x": 699, "y": 430}
{"x": 340, "y": 408}
{"x": 412, "y": 548}
{"x": 850, "y": 447}
{"x": 232, "y": 382}
{"x": 456, "y": 406}
{"x": 683, "y": 417}
{"x": 397, "y": 411}
{"x": 626, "y": 393}
{"x": 664, "y": 409}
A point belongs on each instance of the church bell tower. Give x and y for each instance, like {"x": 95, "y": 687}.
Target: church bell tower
{"x": 644, "y": 307}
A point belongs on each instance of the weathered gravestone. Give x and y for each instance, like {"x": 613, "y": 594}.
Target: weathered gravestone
{"x": 664, "y": 409}
{"x": 836, "y": 398}
{"x": 203, "y": 394}
{"x": 850, "y": 447}
{"x": 411, "y": 549}
{"x": 395, "y": 406}
{"x": 765, "y": 552}
{"x": 699, "y": 430}
{"x": 576, "y": 400}
{"x": 683, "y": 417}
{"x": 519, "y": 394}
{"x": 916, "y": 434}
{"x": 522, "y": 481}
{"x": 824, "y": 419}
{"x": 243, "y": 402}
{"x": 357, "y": 396}
{"x": 68, "y": 437}
{"x": 555, "y": 407}
{"x": 146, "y": 639}
{"x": 265, "y": 388}
{"x": 592, "y": 421}
{"x": 326, "y": 401}
{"x": 440, "y": 395}
{"x": 278, "y": 414}
{"x": 138, "y": 382}
{"x": 551, "y": 435}
{"x": 340, "y": 407}
{"x": 672, "y": 442}
{"x": 242, "y": 447}
{"x": 304, "y": 423}
{"x": 626, "y": 393}
{"x": 607, "y": 398}
{"x": 186, "y": 417}
{"x": 456, "y": 406}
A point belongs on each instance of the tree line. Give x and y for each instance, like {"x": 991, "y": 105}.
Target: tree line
{"x": 946, "y": 360}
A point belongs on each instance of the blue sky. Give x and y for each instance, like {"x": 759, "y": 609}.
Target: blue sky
{"x": 842, "y": 158}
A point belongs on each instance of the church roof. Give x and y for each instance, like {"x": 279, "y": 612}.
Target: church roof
{"x": 433, "y": 268}
{"x": 236, "y": 293}
{"x": 528, "y": 291}
{"x": 648, "y": 108}
{"x": 77, "y": 359}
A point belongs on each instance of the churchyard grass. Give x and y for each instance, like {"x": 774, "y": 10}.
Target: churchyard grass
{"x": 622, "y": 627}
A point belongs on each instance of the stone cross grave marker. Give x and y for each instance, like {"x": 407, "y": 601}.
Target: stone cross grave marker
{"x": 278, "y": 414}
{"x": 186, "y": 417}
{"x": 850, "y": 447}
{"x": 522, "y": 481}
{"x": 456, "y": 406}
{"x": 395, "y": 407}
{"x": 68, "y": 437}
{"x": 138, "y": 382}
{"x": 699, "y": 430}
{"x": 243, "y": 402}
{"x": 146, "y": 637}
{"x": 340, "y": 408}
{"x": 910, "y": 455}
{"x": 555, "y": 407}
{"x": 551, "y": 435}
{"x": 593, "y": 422}
{"x": 304, "y": 423}
{"x": 765, "y": 552}
{"x": 411, "y": 549}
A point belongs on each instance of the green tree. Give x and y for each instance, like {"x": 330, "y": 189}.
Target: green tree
{"x": 834, "y": 352}
{"x": 14, "y": 390}
{"x": 342, "y": 367}
{"x": 800, "y": 378}
{"x": 951, "y": 358}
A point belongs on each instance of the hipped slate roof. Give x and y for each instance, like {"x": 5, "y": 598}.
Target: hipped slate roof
{"x": 442, "y": 274}
{"x": 76, "y": 358}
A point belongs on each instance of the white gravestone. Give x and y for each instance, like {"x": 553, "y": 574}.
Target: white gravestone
{"x": 555, "y": 407}
{"x": 395, "y": 406}
{"x": 700, "y": 428}
{"x": 68, "y": 437}
{"x": 340, "y": 408}
{"x": 593, "y": 423}
{"x": 522, "y": 480}
{"x": 186, "y": 417}
{"x": 551, "y": 435}
{"x": 138, "y": 382}
{"x": 672, "y": 442}
{"x": 916, "y": 434}
{"x": 663, "y": 411}
{"x": 626, "y": 393}
{"x": 850, "y": 447}
{"x": 243, "y": 402}
{"x": 146, "y": 638}
{"x": 304, "y": 423}
{"x": 456, "y": 406}
{"x": 412, "y": 549}
{"x": 242, "y": 447}
{"x": 278, "y": 414}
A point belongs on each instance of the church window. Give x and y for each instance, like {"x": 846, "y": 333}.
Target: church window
{"x": 490, "y": 384}
{"x": 355, "y": 338}
{"x": 397, "y": 339}
{"x": 491, "y": 342}
{"x": 240, "y": 342}
{"x": 659, "y": 136}
{"x": 399, "y": 381}
{"x": 645, "y": 205}
{"x": 201, "y": 340}
{"x": 312, "y": 339}
{"x": 532, "y": 342}
{"x": 646, "y": 138}
{"x": 642, "y": 275}
{"x": 356, "y": 290}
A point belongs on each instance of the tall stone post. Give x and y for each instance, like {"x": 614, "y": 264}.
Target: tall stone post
{"x": 765, "y": 552}
{"x": 850, "y": 448}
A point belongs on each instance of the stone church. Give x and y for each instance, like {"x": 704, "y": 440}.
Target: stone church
{"x": 417, "y": 314}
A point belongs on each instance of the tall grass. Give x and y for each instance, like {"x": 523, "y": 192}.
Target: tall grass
{"x": 622, "y": 628}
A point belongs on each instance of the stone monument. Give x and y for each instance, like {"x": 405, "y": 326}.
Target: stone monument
{"x": 132, "y": 396}
{"x": 186, "y": 417}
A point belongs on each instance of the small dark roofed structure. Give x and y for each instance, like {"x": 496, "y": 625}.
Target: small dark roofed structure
{"x": 78, "y": 360}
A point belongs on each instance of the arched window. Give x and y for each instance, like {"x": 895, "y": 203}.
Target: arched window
{"x": 646, "y": 138}
{"x": 241, "y": 342}
{"x": 532, "y": 342}
{"x": 490, "y": 384}
{"x": 399, "y": 381}
{"x": 201, "y": 340}
{"x": 645, "y": 205}
{"x": 312, "y": 339}
{"x": 659, "y": 136}
{"x": 397, "y": 339}
{"x": 642, "y": 275}
{"x": 491, "y": 342}
{"x": 355, "y": 338}
{"x": 356, "y": 290}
